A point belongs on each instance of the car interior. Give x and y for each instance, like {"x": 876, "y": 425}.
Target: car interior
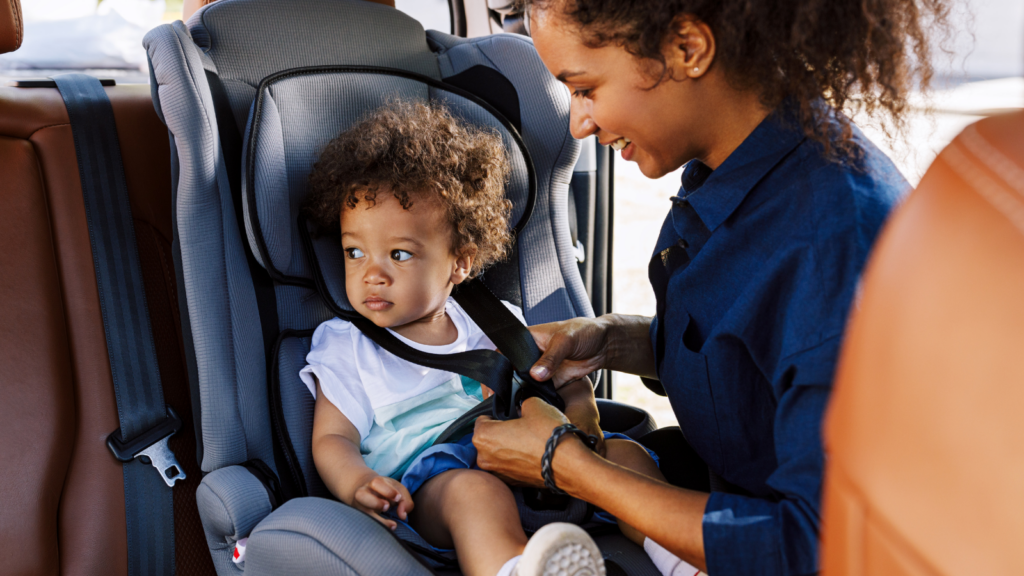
{"x": 183, "y": 335}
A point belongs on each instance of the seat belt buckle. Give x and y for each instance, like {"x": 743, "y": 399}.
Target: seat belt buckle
{"x": 528, "y": 388}
{"x": 152, "y": 446}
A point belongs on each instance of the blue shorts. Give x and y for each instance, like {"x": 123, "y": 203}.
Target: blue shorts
{"x": 462, "y": 455}
{"x": 457, "y": 456}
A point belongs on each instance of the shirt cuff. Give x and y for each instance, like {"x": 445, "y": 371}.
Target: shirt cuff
{"x": 743, "y": 536}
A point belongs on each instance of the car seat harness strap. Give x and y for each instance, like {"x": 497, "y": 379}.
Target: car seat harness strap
{"x": 146, "y": 422}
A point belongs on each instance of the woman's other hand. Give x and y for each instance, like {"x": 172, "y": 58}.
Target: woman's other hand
{"x": 575, "y": 348}
{"x": 513, "y": 449}
{"x": 572, "y": 349}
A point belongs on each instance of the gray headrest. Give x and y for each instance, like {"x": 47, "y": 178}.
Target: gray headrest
{"x": 248, "y": 40}
{"x": 293, "y": 118}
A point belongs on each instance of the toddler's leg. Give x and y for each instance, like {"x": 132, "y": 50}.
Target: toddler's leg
{"x": 631, "y": 455}
{"x": 475, "y": 513}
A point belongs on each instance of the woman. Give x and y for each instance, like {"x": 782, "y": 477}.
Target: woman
{"x": 758, "y": 260}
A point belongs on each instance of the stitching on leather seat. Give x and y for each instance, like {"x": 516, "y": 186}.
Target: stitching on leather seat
{"x": 45, "y": 127}
{"x": 16, "y": 12}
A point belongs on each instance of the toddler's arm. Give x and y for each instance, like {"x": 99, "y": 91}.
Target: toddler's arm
{"x": 341, "y": 466}
{"x": 581, "y": 409}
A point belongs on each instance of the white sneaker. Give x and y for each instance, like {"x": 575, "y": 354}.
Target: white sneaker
{"x": 560, "y": 549}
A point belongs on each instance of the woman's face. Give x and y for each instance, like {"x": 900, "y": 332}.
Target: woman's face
{"x": 612, "y": 97}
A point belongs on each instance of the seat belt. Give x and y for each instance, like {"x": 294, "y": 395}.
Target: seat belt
{"x": 146, "y": 422}
{"x": 508, "y": 334}
{"x": 515, "y": 342}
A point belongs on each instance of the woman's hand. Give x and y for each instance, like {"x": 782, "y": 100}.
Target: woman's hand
{"x": 572, "y": 349}
{"x": 377, "y": 494}
{"x": 513, "y": 449}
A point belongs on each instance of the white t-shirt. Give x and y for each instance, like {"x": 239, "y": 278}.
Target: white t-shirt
{"x": 359, "y": 377}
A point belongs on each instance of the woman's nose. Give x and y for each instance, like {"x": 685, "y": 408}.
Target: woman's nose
{"x": 581, "y": 124}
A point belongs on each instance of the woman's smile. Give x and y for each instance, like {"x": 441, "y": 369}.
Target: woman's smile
{"x": 628, "y": 149}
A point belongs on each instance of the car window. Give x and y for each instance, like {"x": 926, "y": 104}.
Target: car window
{"x": 432, "y": 14}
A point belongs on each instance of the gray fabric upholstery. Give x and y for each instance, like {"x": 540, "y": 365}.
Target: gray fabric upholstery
{"x": 221, "y": 300}
{"x": 318, "y": 536}
{"x": 297, "y": 406}
{"x": 231, "y": 502}
{"x": 544, "y": 106}
{"x": 251, "y": 40}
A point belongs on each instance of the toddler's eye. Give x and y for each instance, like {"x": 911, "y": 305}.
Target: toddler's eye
{"x": 354, "y": 253}
{"x": 400, "y": 255}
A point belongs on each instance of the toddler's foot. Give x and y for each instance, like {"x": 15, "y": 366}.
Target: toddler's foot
{"x": 560, "y": 549}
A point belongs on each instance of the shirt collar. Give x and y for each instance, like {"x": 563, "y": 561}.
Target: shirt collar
{"x": 716, "y": 196}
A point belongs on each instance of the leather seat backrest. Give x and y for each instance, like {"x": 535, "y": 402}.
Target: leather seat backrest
{"x": 925, "y": 466}
{"x": 11, "y": 26}
{"x": 62, "y": 491}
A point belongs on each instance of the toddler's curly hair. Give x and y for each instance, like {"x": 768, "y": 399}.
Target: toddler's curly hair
{"x": 418, "y": 151}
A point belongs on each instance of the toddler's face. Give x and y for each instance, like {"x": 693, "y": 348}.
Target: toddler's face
{"x": 399, "y": 266}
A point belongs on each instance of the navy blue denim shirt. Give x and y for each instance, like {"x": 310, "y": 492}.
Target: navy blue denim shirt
{"x": 755, "y": 271}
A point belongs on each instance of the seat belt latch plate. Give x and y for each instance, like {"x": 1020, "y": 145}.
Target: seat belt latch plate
{"x": 152, "y": 446}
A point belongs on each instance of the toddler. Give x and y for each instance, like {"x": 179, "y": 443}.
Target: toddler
{"x": 418, "y": 203}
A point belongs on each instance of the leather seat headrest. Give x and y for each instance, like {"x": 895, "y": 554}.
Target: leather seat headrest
{"x": 10, "y": 26}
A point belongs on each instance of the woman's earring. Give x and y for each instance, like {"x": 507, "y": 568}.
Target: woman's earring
{"x": 696, "y": 69}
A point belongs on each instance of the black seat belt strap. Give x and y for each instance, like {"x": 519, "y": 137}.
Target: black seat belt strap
{"x": 509, "y": 334}
{"x": 146, "y": 422}
{"x": 516, "y": 344}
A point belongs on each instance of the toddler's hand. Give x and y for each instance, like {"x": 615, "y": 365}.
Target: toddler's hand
{"x": 378, "y": 495}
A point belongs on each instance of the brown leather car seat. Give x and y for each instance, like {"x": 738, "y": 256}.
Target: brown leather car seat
{"x": 925, "y": 434}
{"x": 61, "y": 490}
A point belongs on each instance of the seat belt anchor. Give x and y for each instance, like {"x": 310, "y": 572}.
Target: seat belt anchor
{"x": 152, "y": 445}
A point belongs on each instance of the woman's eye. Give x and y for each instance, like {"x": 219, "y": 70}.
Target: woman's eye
{"x": 581, "y": 92}
{"x": 400, "y": 255}
{"x": 354, "y": 253}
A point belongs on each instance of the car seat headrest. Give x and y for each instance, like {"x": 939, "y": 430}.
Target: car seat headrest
{"x": 248, "y": 40}
{"x": 11, "y": 26}
{"x": 295, "y": 114}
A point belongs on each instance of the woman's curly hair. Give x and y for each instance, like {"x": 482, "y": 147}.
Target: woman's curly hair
{"x": 418, "y": 151}
{"x": 856, "y": 55}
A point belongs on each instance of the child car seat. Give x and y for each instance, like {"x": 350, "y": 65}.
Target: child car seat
{"x": 251, "y": 90}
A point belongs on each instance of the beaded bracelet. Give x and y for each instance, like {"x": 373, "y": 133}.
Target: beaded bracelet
{"x": 549, "y": 451}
